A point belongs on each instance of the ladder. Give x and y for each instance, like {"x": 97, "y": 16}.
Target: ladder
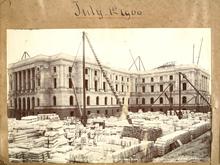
{"x": 104, "y": 73}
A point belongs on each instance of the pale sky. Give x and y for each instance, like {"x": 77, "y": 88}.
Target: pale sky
{"x": 155, "y": 46}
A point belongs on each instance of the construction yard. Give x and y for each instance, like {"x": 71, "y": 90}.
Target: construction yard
{"x": 149, "y": 136}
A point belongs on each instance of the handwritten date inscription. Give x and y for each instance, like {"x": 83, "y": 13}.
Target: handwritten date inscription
{"x": 90, "y": 11}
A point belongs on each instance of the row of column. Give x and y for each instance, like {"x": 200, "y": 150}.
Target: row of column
{"x": 23, "y": 80}
{"x": 24, "y": 103}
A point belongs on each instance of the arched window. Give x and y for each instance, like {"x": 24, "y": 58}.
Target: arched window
{"x": 54, "y": 101}
{"x": 143, "y": 100}
{"x": 88, "y": 100}
{"x": 151, "y": 100}
{"x": 106, "y": 100}
{"x": 24, "y": 104}
{"x": 161, "y": 100}
{"x": 184, "y": 99}
{"x": 71, "y": 100}
{"x": 28, "y": 103}
{"x": 33, "y": 102}
{"x": 97, "y": 100}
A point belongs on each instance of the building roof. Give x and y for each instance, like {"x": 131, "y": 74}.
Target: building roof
{"x": 48, "y": 58}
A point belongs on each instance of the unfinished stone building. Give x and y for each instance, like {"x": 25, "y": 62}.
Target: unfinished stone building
{"x": 44, "y": 84}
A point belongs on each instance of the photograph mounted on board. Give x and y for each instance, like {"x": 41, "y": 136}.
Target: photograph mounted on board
{"x": 109, "y": 95}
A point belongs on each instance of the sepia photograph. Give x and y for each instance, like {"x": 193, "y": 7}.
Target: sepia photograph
{"x": 123, "y": 95}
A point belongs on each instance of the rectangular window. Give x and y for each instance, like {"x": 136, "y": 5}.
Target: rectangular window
{"x": 143, "y": 89}
{"x": 152, "y": 79}
{"x": 171, "y": 77}
{"x": 55, "y": 83}
{"x": 171, "y": 88}
{"x": 116, "y": 87}
{"x": 136, "y": 100}
{"x": 116, "y": 77}
{"x": 104, "y": 87}
{"x": 38, "y": 81}
{"x": 122, "y": 88}
{"x": 96, "y": 85}
{"x": 171, "y": 100}
{"x": 70, "y": 83}
{"x": 161, "y": 78}
{"x": 161, "y": 88}
{"x": 143, "y": 80}
{"x": 95, "y": 72}
{"x": 86, "y": 85}
{"x": 70, "y": 69}
{"x": 152, "y": 88}
{"x": 127, "y": 79}
{"x": 86, "y": 71}
{"x": 184, "y": 86}
{"x": 54, "y": 69}
{"x": 122, "y": 78}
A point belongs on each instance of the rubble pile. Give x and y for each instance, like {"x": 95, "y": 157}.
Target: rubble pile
{"x": 46, "y": 138}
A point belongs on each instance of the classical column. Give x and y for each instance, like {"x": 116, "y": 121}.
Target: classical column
{"x": 29, "y": 79}
{"x": 18, "y": 82}
{"x": 13, "y": 81}
{"x": 101, "y": 80}
{"x": 33, "y": 78}
{"x": 26, "y": 80}
{"x": 22, "y": 82}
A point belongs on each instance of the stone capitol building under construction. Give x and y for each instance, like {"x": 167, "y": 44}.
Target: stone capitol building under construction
{"x": 44, "y": 84}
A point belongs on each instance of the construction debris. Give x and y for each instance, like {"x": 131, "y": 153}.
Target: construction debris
{"x": 46, "y": 138}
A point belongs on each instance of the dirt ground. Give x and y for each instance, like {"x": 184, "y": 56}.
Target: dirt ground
{"x": 198, "y": 150}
